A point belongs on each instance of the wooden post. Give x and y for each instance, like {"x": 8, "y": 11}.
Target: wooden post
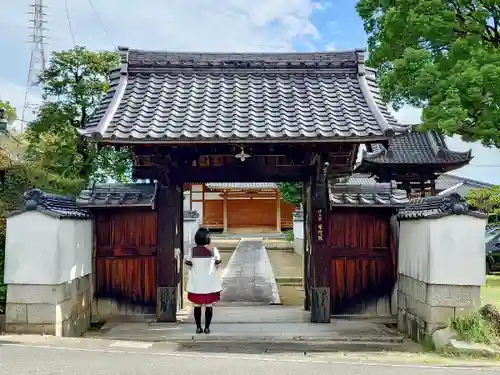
{"x": 224, "y": 208}
{"x": 317, "y": 201}
{"x": 278, "y": 211}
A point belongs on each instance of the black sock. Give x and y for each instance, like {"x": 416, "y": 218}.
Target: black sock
{"x": 209, "y": 312}
{"x": 197, "y": 316}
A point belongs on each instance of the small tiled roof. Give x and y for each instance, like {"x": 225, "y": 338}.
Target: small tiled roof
{"x": 436, "y": 207}
{"x": 118, "y": 195}
{"x": 383, "y": 194}
{"x": 421, "y": 148}
{"x": 449, "y": 184}
{"x": 361, "y": 179}
{"x": 241, "y": 186}
{"x": 195, "y": 97}
{"x": 57, "y": 206}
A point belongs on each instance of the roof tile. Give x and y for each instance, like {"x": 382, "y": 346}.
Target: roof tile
{"x": 383, "y": 194}
{"x": 436, "y": 207}
{"x": 54, "y": 205}
{"x": 118, "y": 195}
{"x": 176, "y": 96}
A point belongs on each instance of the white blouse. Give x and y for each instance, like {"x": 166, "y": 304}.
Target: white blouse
{"x": 203, "y": 273}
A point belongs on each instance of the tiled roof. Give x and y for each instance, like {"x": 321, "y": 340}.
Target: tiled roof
{"x": 174, "y": 97}
{"x": 383, "y": 194}
{"x": 360, "y": 179}
{"x": 449, "y": 184}
{"x": 436, "y": 207}
{"x": 415, "y": 147}
{"x": 118, "y": 195}
{"x": 57, "y": 206}
{"x": 241, "y": 186}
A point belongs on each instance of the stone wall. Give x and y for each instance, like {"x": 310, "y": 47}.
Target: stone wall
{"x": 423, "y": 308}
{"x": 59, "y": 310}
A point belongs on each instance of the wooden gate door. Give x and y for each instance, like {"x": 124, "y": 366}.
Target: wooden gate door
{"x": 125, "y": 260}
{"x": 363, "y": 263}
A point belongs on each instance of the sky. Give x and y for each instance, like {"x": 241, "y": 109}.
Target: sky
{"x": 198, "y": 25}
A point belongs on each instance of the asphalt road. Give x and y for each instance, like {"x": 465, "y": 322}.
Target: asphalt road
{"x": 47, "y": 360}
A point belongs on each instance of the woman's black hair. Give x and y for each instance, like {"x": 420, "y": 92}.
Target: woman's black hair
{"x": 202, "y": 237}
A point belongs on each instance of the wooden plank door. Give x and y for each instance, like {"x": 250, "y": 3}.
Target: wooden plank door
{"x": 363, "y": 267}
{"x": 125, "y": 260}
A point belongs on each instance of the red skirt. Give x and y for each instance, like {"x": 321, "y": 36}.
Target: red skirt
{"x": 203, "y": 299}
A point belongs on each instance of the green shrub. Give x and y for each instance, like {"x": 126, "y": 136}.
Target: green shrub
{"x": 289, "y": 235}
{"x": 474, "y": 328}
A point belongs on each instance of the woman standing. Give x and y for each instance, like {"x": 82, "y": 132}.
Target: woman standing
{"x": 203, "y": 285}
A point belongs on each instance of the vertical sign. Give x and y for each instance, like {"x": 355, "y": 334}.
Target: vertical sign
{"x": 319, "y": 225}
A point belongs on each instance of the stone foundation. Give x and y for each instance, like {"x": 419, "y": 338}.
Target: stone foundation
{"x": 424, "y": 308}
{"x": 105, "y": 309}
{"x": 58, "y": 310}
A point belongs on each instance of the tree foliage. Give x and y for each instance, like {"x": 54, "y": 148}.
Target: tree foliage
{"x": 291, "y": 192}
{"x": 442, "y": 56}
{"x": 11, "y": 112}
{"x": 50, "y": 155}
{"x": 486, "y": 200}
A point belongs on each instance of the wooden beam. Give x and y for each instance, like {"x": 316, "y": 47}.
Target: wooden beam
{"x": 229, "y": 174}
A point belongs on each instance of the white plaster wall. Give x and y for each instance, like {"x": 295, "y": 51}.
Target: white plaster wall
{"x": 198, "y": 206}
{"x": 190, "y": 228}
{"x": 213, "y": 196}
{"x": 31, "y": 249}
{"x": 413, "y": 254}
{"x": 186, "y": 202}
{"x": 298, "y": 229}
{"x": 457, "y": 254}
{"x": 444, "y": 251}
{"x": 74, "y": 249}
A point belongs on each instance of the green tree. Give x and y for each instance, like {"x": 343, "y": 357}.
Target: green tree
{"x": 11, "y": 112}
{"x": 291, "y": 192}
{"x": 442, "y": 56}
{"x": 486, "y": 200}
{"x": 74, "y": 83}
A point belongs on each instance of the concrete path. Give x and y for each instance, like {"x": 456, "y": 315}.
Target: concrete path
{"x": 48, "y": 355}
{"x": 259, "y": 325}
{"x": 248, "y": 277}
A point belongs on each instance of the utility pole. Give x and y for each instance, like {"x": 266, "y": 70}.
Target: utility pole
{"x": 38, "y": 58}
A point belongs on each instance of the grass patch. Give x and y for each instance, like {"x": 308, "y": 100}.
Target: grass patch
{"x": 286, "y": 263}
{"x": 473, "y": 328}
{"x": 490, "y": 293}
{"x": 291, "y": 295}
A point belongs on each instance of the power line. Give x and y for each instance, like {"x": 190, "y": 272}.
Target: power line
{"x": 69, "y": 23}
{"x": 102, "y": 23}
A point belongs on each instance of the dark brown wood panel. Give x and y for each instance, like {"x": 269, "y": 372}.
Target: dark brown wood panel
{"x": 213, "y": 213}
{"x": 247, "y": 213}
{"x": 125, "y": 257}
{"x": 363, "y": 263}
{"x": 128, "y": 280}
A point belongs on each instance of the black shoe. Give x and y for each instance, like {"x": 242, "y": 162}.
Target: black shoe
{"x": 199, "y": 330}
{"x": 207, "y": 330}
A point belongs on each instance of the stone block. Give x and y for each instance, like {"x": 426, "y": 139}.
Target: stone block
{"x": 41, "y": 313}
{"x": 454, "y": 295}
{"x": 31, "y": 329}
{"x": 16, "y": 313}
{"x": 65, "y": 310}
{"x": 414, "y": 288}
{"x": 438, "y": 314}
{"x": 84, "y": 283}
{"x": 20, "y": 293}
{"x": 464, "y": 311}
{"x": 401, "y": 300}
